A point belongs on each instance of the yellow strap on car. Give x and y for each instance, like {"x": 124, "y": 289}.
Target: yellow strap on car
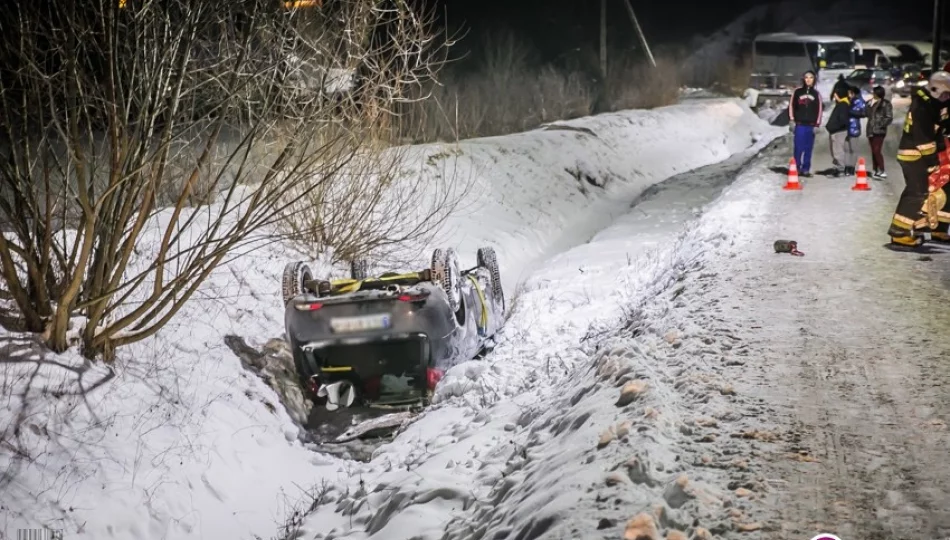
{"x": 342, "y": 286}
{"x": 483, "y": 320}
{"x": 336, "y": 369}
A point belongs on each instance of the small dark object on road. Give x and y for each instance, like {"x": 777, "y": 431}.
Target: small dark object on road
{"x": 787, "y": 246}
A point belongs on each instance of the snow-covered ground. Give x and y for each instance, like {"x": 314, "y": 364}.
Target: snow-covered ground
{"x": 178, "y": 441}
{"x": 674, "y": 398}
{"x": 521, "y": 449}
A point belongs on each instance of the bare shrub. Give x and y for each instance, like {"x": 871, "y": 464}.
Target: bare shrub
{"x": 110, "y": 111}
{"x": 635, "y": 84}
{"x": 508, "y": 91}
{"x": 378, "y": 204}
{"x": 732, "y": 78}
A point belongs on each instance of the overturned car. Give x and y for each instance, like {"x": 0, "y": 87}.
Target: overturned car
{"x": 384, "y": 342}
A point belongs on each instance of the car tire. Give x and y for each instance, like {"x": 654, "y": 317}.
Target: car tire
{"x": 294, "y": 280}
{"x": 359, "y": 269}
{"x": 446, "y": 274}
{"x": 487, "y": 259}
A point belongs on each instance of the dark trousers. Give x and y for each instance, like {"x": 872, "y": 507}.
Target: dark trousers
{"x": 909, "y": 213}
{"x": 877, "y": 157}
{"x": 804, "y": 144}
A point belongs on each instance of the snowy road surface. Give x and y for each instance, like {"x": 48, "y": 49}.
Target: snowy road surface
{"x": 842, "y": 357}
{"x": 838, "y": 361}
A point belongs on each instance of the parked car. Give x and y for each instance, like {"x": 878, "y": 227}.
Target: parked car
{"x": 912, "y": 78}
{"x": 867, "y": 79}
{"x": 873, "y": 55}
{"x": 919, "y": 52}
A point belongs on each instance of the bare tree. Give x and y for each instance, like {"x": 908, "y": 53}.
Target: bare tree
{"x": 144, "y": 141}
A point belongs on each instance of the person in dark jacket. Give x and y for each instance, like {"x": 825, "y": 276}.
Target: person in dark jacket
{"x": 856, "y": 112}
{"x": 838, "y": 124}
{"x": 804, "y": 111}
{"x": 880, "y": 116}
{"x": 840, "y": 89}
{"x": 921, "y": 205}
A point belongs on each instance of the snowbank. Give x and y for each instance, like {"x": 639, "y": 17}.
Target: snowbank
{"x": 178, "y": 441}
{"x": 515, "y": 444}
{"x": 541, "y": 192}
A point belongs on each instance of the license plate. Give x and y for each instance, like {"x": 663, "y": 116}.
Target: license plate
{"x": 360, "y": 324}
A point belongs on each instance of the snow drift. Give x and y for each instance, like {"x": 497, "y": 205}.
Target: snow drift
{"x": 177, "y": 440}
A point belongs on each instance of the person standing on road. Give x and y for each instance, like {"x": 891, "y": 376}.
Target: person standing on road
{"x": 838, "y": 124}
{"x": 880, "y": 116}
{"x": 920, "y": 207}
{"x": 840, "y": 88}
{"x": 804, "y": 111}
{"x": 856, "y": 112}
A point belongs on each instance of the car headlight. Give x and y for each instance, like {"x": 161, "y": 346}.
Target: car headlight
{"x": 900, "y": 84}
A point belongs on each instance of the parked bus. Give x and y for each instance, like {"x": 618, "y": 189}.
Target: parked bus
{"x": 779, "y": 60}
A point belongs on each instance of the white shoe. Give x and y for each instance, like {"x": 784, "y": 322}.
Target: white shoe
{"x": 882, "y": 174}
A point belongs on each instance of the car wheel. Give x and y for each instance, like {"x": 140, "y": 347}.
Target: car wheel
{"x": 359, "y": 269}
{"x": 294, "y": 281}
{"x": 487, "y": 259}
{"x": 445, "y": 272}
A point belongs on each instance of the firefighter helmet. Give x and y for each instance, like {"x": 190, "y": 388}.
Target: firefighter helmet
{"x": 939, "y": 83}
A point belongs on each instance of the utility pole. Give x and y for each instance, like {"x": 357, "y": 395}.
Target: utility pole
{"x": 602, "y": 102}
{"x": 937, "y": 36}
{"x": 603, "y": 41}
{"x": 643, "y": 39}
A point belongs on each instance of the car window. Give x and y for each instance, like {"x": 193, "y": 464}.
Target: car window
{"x": 859, "y": 74}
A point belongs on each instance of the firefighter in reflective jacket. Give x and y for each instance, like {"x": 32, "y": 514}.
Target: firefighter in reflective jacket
{"x": 936, "y": 206}
{"x": 922, "y": 204}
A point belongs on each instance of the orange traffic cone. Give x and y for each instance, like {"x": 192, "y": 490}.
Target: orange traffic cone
{"x": 792, "y": 182}
{"x": 861, "y": 180}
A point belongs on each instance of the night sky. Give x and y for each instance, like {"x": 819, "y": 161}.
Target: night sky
{"x": 554, "y": 27}
{"x": 671, "y": 20}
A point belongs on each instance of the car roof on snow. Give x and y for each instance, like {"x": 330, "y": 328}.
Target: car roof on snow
{"x": 792, "y": 37}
